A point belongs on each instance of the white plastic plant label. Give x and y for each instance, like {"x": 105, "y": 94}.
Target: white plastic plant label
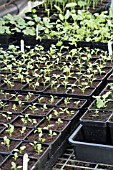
{"x": 22, "y": 46}
{"x": 36, "y": 32}
{"x": 29, "y": 6}
{"x": 110, "y": 48}
{"x": 34, "y": 4}
{"x": 25, "y": 161}
{"x": 112, "y": 6}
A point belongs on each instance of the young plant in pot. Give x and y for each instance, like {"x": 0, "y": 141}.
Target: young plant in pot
{"x": 94, "y": 121}
{"x": 103, "y": 102}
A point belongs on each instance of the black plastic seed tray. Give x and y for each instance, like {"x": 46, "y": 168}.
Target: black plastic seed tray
{"x": 68, "y": 161}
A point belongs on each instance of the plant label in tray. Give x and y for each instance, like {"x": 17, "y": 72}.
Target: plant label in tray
{"x": 22, "y": 46}
{"x": 110, "y": 48}
{"x": 25, "y": 161}
{"x": 37, "y": 32}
